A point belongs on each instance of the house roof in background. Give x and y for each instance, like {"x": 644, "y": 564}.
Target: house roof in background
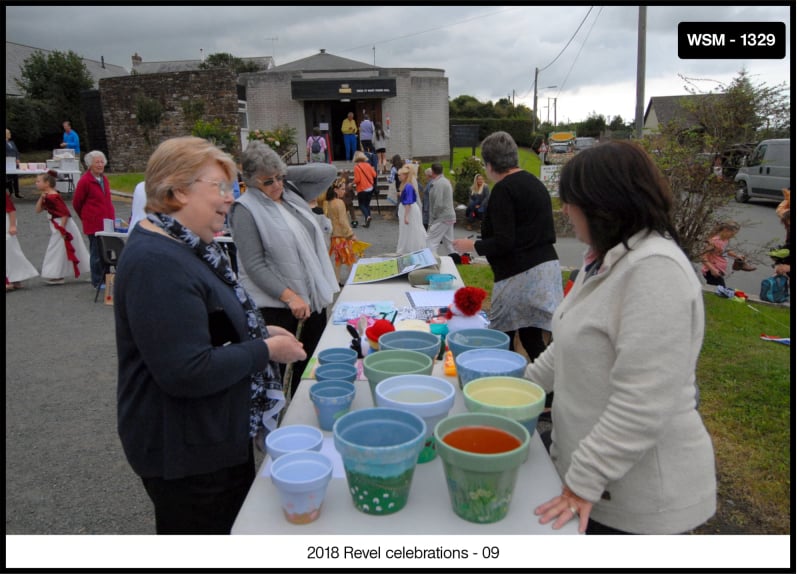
{"x": 16, "y": 54}
{"x": 323, "y": 62}
{"x": 674, "y": 108}
{"x": 265, "y": 62}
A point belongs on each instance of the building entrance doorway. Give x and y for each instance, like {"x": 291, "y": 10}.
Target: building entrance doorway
{"x": 328, "y": 115}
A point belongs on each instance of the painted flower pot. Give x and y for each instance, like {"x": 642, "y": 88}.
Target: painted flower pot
{"x": 429, "y": 397}
{"x": 292, "y": 438}
{"x": 467, "y": 339}
{"x": 337, "y": 355}
{"x": 481, "y": 454}
{"x": 384, "y": 364}
{"x": 426, "y": 343}
{"x": 336, "y": 372}
{"x": 379, "y": 449}
{"x": 331, "y": 400}
{"x": 478, "y": 363}
{"x": 302, "y": 479}
{"x": 513, "y": 397}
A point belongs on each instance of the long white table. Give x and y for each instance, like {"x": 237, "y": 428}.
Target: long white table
{"x": 428, "y": 509}
{"x": 68, "y": 180}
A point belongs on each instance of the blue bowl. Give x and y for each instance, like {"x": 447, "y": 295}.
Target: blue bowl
{"x": 331, "y": 400}
{"x": 292, "y": 438}
{"x": 478, "y": 363}
{"x": 336, "y": 372}
{"x": 337, "y": 355}
{"x": 468, "y": 339}
{"x": 426, "y": 343}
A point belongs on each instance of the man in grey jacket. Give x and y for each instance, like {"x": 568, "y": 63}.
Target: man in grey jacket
{"x": 442, "y": 216}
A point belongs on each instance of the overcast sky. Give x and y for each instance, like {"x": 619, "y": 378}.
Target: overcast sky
{"x": 489, "y": 52}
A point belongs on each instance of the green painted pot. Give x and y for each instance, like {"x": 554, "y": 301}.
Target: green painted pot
{"x": 384, "y": 364}
{"x": 481, "y": 483}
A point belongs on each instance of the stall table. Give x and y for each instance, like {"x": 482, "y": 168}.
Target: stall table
{"x": 428, "y": 509}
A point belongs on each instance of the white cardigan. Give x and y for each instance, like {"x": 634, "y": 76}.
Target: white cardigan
{"x": 626, "y": 432}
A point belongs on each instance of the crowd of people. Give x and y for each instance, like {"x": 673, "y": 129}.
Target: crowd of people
{"x": 197, "y": 394}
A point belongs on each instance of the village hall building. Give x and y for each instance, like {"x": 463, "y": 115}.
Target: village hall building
{"x": 412, "y": 104}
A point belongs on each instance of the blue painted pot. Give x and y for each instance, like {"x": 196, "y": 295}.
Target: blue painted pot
{"x": 336, "y": 372}
{"x": 379, "y": 449}
{"x": 337, "y": 355}
{"x": 331, "y": 400}
{"x": 302, "y": 479}
{"x": 477, "y": 363}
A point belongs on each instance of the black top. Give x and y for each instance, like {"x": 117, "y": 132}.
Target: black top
{"x": 518, "y": 232}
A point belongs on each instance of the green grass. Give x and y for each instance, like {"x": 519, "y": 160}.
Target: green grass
{"x": 125, "y": 182}
{"x": 745, "y": 393}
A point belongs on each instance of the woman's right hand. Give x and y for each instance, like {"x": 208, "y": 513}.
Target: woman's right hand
{"x": 285, "y": 349}
{"x": 299, "y": 308}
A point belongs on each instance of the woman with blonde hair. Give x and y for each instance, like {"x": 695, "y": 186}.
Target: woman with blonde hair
{"x": 478, "y": 198}
{"x": 412, "y": 235}
{"x": 197, "y": 372}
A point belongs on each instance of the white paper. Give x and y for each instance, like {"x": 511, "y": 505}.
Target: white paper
{"x": 431, "y": 297}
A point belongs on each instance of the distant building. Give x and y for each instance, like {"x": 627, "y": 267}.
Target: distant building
{"x": 664, "y": 109}
{"x": 138, "y": 66}
{"x": 17, "y": 54}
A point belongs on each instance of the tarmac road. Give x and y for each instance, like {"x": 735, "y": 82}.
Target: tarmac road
{"x": 65, "y": 469}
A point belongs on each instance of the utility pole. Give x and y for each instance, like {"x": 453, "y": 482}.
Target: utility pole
{"x": 640, "y": 69}
{"x": 535, "y": 98}
{"x": 555, "y": 109}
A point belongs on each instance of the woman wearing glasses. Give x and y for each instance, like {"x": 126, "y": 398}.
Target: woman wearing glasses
{"x": 197, "y": 367}
{"x": 282, "y": 252}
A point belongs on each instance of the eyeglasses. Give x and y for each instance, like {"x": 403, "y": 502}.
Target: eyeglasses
{"x": 270, "y": 181}
{"x": 224, "y": 187}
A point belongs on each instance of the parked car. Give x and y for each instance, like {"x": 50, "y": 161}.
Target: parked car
{"x": 584, "y": 143}
{"x": 766, "y": 172}
{"x": 559, "y": 148}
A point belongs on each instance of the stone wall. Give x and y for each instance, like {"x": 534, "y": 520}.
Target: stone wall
{"x": 128, "y": 145}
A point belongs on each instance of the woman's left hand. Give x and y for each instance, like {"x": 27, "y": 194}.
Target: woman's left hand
{"x": 564, "y": 508}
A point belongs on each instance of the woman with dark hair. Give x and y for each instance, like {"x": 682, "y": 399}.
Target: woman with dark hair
{"x": 518, "y": 240}
{"x": 627, "y": 439}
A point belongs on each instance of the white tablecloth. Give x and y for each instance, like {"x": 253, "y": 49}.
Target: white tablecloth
{"x": 428, "y": 510}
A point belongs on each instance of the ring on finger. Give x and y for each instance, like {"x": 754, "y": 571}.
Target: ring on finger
{"x": 573, "y": 510}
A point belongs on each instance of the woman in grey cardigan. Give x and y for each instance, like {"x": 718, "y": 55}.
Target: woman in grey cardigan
{"x": 281, "y": 250}
{"x": 627, "y": 439}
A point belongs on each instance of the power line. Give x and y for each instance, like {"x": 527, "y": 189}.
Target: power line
{"x": 371, "y": 44}
{"x": 561, "y": 85}
{"x": 561, "y": 52}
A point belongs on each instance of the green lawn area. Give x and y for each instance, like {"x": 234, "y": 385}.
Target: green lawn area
{"x": 745, "y": 394}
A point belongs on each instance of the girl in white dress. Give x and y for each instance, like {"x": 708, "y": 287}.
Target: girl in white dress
{"x": 66, "y": 252}
{"x": 18, "y": 268}
{"x": 412, "y": 235}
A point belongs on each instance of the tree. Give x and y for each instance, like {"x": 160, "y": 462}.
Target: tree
{"x": 738, "y": 112}
{"x": 593, "y": 126}
{"x": 616, "y": 124}
{"x": 52, "y": 84}
{"x": 225, "y": 60}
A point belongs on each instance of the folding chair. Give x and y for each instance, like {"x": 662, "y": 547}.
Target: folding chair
{"x": 110, "y": 250}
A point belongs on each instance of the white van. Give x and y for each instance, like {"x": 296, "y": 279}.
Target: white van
{"x": 766, "y": 171}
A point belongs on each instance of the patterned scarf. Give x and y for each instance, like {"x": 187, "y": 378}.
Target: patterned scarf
{"x": 266, "y": 391}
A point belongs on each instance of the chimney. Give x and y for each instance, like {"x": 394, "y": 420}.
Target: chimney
{"x": 136, "y": 59}
{"x": 102, "y": 62}
{"x": 322, "y": 50}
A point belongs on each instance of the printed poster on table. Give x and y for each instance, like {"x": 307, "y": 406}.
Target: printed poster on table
{"x": 550, "y": 175}
{"x": 373, "y": 269}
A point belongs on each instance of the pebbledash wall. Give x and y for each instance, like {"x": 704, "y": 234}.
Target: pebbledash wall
{"x": 128, "y": 148}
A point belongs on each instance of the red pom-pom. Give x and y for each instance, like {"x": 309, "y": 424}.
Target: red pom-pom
{"x": 378, "y": 328}
{"x": 469, "y": 300}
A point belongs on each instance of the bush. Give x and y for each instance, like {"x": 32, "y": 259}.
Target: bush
{"x": 216, "y": 133}
{"x": 281, "y": 139}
